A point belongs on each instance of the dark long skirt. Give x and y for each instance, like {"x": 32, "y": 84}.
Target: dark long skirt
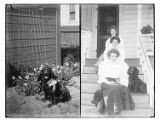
{"x": 118, "y": 99}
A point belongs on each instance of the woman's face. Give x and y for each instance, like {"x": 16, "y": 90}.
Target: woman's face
{"x": 115, "y": 43}
{"x": 113, "y": 57}
{"x": 113, "y": 32}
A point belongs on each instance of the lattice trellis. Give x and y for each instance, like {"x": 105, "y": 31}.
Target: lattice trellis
{"x": 31, "y": 34}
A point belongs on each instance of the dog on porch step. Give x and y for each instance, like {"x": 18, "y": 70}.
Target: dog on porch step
{"x": 135, "y": 84}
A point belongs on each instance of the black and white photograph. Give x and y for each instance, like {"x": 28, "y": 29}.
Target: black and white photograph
{"x": 65, "y": 59}
{"x": 42, "y": 60}
{"x": 117, "y": 60}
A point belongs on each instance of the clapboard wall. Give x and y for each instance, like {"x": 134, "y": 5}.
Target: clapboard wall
{"x": 32, "y": 35}
{"x": 148, "y": 19}
{"x": 70, "y": 36}
{"x": 147, "y": 14}
{"x": 128, "y": 14}
{"x": 128, "y": 28}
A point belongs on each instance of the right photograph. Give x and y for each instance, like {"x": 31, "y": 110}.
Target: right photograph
{"x": 117, "y": 60}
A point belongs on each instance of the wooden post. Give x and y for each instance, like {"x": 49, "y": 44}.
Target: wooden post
{"x": 139, "y": 24}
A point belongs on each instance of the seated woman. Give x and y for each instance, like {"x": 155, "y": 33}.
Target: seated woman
{"x": 115, "y": 44}
{"x": 116, "y": 97}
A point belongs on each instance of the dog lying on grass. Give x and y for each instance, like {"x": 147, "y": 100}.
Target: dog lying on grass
{"x": 135, "y": 84}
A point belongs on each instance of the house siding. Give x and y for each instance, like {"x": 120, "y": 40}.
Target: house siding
{"x": 128, "y": 29}
{"x": 128, "y": 26}
{"x": 69, "y": 29}
{"x": 147, "y": 15}
{"x": 147, "y": 19}
{"x": 70, "y": 36}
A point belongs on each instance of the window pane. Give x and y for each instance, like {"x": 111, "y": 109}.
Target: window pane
{"x": 72, "y": 12}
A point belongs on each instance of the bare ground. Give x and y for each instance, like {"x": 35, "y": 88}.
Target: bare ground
{"x": 32, "y": 107}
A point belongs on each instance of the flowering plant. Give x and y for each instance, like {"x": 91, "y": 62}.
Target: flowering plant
{"x": 69, "y": 60}
{"x": 26, "y": 80}
{"x": 76, "y": 69}
{"x": 63, "y": 73}
{"x": 27, "y": 84}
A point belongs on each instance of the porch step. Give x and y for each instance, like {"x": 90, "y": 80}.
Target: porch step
{"x": 94, "y": 69}
{"x": 90, "y": 111}
{"x": 129, "y": 61}
{"x": 89, "y": 86}
{"x": 93, "y": 77}
{"x": 140, "y": 100}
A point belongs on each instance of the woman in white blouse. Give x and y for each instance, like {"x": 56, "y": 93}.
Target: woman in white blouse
{"x": 115, "y": 43}
{"x": 116, "y": 97}
{"x": 111, "y": 32}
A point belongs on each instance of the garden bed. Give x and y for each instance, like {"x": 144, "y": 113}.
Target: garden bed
{"x": 32, "y": 106}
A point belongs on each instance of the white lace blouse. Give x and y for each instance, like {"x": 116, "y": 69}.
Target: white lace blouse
{"x": 109, "y": 69}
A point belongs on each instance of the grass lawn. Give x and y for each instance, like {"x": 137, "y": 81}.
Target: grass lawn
{"x": 31, "y": 106}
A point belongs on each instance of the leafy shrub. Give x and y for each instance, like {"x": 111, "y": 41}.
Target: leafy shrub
{"x": 69, "y": 59}
{"x": 63, "y": 73}
{"x": 27, "y": 85}
{"x": 75, "y": 51}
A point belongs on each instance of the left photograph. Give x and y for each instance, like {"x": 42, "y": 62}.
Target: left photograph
{"x": 42, "y": 61}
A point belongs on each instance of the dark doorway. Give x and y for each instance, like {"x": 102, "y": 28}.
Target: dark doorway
{"x": 107, "y": 16}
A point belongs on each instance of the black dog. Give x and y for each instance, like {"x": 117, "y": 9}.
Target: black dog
{"x": 45, "y": 75}
{"x": 98, "y": 95}
{"x": 135, "y": 84}
{"x": 56, "y": 91}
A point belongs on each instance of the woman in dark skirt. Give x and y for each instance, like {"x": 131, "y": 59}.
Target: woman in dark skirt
{"x": 116, "y": 97}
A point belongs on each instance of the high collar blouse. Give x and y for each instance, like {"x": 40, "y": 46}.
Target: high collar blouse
{"x": 109, "y": 69}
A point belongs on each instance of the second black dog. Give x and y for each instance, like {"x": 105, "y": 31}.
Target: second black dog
{"x": 135, "y": 84}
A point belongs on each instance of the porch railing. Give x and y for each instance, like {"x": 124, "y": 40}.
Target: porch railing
{"x": 83, "y": 48}
{"x": 147, "y": 68}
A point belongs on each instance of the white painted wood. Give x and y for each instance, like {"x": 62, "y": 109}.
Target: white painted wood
{"x": 90, "y": 111}
{"x": 64, "y": 14}
{"x": 147, "y": 15}
{"x": 146, "y": 68}
{"x": 127, "y": 28}
{"x": 94, "y": 31}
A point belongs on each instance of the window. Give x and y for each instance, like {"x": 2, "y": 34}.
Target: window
{"x": 72, "y": 13}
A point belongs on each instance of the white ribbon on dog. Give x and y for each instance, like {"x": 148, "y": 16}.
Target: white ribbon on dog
{"x": 53, "y": 83}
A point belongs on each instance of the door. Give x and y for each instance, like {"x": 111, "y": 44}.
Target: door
{"x": 107, "y": 16}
